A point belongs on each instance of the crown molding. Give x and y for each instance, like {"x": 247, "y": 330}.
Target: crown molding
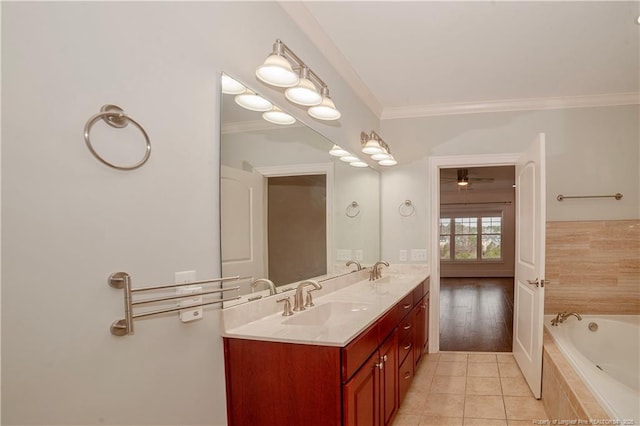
{"x": 254, "y": 126}
{"x": 308, "y": 24}
{"x": 611, "y": 99}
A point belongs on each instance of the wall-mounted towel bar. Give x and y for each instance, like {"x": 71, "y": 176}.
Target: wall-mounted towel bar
{"x": 122, "y": 280}
{"x": 561, "y": 197}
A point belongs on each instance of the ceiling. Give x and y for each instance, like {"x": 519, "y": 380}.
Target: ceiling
{"x": 418, "y": 58}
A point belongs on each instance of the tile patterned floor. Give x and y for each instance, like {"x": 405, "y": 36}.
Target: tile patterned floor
{"x": 463, "y": 389}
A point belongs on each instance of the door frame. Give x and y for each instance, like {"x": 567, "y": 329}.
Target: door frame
{"x": 435, "y": 164}
{"x": 310, "y": 169}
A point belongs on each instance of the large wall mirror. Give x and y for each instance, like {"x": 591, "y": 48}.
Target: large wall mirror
{"x": 289, "y": 210}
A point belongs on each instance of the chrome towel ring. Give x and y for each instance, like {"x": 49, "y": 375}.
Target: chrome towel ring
{"x": 406, "y": 209}
{"x": 114, "y": 116}
{"x": 353, "y": 209}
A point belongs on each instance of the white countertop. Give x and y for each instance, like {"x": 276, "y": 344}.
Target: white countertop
{"x": 336, "y": 318}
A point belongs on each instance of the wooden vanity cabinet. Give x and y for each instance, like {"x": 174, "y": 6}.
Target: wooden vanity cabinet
{"x": 361, "y": 384}
{"x": 370, "y": 396}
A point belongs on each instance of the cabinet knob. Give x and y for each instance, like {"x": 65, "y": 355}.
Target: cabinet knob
{"x": 407, "y": 326}
{"x": 407, "y": 306}
{"x": 379, "y": 365}
{"x": 406, "y": 348}
{"x": 407, "y": 375}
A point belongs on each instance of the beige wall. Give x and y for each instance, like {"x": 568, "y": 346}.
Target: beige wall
{"x": 594, "y": 267}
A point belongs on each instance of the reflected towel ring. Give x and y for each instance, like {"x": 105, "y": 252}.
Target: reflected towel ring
{"x": 406, "y": 209}
{"x": 114, "y": 116}
{"x": 353, "y": 209}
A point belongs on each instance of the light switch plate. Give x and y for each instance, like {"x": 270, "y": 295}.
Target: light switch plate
{"x": 402, "y": 256}
{"x": 343, "y": 254}
{"x": 419, "y": 255}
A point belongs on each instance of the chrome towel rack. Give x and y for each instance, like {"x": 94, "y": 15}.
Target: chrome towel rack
{"x": 561, "y": 197}
{"x": 122, "y": 280}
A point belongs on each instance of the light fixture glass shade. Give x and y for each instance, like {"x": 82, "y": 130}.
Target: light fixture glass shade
{"x": 372, "y": 147}
{"x": 276, "y": 70}
{"x": 358, "y": 164}
{"x": 253, "y": 102}
{"x": 231, "y": 86}
{"x": 381, "y": 156}
{"x": 349, "y": 158}
{"x": 463, "y": 181}
{"x": 388, "y": 162}
{"x": 277, "y": 116}
{"x": 326, "y": 110}
{"x": 337, "y": 151}
{"x": 305, "y": 93}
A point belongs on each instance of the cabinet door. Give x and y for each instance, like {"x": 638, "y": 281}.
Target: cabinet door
{"x": 362, "y": 395}
{"x": 389, "y": 378}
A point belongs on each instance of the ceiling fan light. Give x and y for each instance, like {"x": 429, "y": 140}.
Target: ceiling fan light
{"x": 388, "y": 162}
{"x": 230, "y": 86}
{"x": 276, "y": 71}
{"x": 326, "y": 110}
{"x": 253, "y": 102}
{"x": 277, "y": 116}
{"x": 338, "y": 151}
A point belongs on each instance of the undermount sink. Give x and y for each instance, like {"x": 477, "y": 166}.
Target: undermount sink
{"x": 330, "y": 313}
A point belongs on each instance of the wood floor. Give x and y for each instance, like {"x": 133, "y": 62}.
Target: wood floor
{"x": 476, "y": 314}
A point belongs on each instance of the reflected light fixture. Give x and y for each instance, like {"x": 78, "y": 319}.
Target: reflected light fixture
{"x": 349, "y": 158}
{"x": 373, "y": 145}
{"x": 231, "y": 86}
{"x": 283, "y": 68}
{"x": 338, "y": 151}
{"x": 250, "y": 100}
{"x": 277, "y": 116}
{"x": 358, "y": 164}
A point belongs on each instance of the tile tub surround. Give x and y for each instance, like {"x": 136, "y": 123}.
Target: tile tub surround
{"x": 594, "y": 267}
{"x": 469, "y": 388}
{"x": 564, "y": 395}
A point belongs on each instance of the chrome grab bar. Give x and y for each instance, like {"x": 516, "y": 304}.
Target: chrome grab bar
{"x": 122, "y": 280}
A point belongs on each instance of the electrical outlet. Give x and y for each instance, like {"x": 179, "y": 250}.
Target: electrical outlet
{"x": 192, "y": 314}
{"x": 419, "y": 255}
{"x": 402, "y": 256}
{"x": 359, "y": 255}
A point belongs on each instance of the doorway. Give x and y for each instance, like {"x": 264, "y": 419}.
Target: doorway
{"x": 477, "y": 252}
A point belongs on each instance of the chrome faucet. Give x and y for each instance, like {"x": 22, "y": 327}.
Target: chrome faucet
{"x": 298, "y": 302}
{"x": 269, "y": 283}
{"x": 353, "y": 262}
{"x": 375, "y": 272}
{"x": 562, "y": 316}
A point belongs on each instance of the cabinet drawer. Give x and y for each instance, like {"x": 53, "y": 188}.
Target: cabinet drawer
{"x": 405, "y": 377}
{"x": 405, "y": 305}
{"x": 405, "y": 346}
{"x": 357, "y": 352}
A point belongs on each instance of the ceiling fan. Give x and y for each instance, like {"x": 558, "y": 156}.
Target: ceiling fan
{"x": 462, "y": 178}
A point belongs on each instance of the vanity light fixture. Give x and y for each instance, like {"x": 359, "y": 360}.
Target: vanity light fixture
{"x": 231, "y": 86}
{"x": 358, "y": 164}
{"x": 250, "y": 100}
{"x": 349, "y": 158}
{"x": 283, "y": 68}
{"x": 373, "y": 145}
{"x": 277, "y": 116}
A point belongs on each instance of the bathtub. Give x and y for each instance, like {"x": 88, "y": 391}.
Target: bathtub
{"x": 607, "y": 359}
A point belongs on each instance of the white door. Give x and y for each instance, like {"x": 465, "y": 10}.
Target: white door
{"x": 242, "y": 227}
{"x": 529, "y": 271}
